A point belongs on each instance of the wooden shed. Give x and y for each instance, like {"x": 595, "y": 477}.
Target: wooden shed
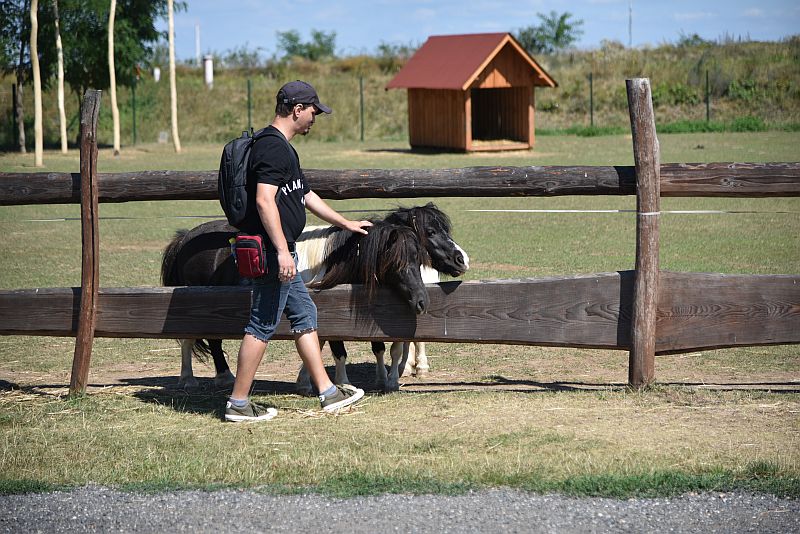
{"x": 471, "y": 92}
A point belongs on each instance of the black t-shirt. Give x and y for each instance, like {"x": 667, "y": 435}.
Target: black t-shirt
{"x": 273, "y": 160}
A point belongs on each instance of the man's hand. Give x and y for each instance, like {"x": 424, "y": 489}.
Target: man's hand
{"x": 357, "y": 227}
{"x": 286, "y": 268}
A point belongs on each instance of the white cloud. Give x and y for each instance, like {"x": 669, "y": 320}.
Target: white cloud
{"x": 424, "y": 13}
{"x": 694, "y": 15}
{"x": 753, "y": 12}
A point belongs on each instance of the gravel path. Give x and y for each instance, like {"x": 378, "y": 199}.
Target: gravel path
{"x": 99, "y": 509}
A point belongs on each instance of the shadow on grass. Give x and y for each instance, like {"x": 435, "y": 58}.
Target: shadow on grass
{"x": 209, "y": 399}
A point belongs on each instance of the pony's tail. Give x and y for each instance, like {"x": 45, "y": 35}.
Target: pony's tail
{"x": 169, "y": 275}
{"x": 201, "y": 350}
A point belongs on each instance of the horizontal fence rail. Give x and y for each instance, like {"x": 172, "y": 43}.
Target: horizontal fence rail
{"x": 695, "y": 311}
{"x": 677, "y": 179}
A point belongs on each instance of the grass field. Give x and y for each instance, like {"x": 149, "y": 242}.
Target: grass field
{"x": 545, "y": 419}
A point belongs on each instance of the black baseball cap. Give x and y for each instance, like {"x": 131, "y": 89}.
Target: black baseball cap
{"x": 298, "y": 92}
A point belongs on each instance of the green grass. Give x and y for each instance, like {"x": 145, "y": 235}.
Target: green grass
{"x": 565, "y": 423}
{"x": 741, "y": 124}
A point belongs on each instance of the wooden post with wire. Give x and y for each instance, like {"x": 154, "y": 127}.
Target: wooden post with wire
{"x": 646, "y": 157}
{"x": 90, "y": 244}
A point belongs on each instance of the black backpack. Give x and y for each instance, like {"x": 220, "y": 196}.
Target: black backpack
{"x": 232, "y": 179}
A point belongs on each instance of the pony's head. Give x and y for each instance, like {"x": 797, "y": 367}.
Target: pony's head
{"x": 398, "y": 265}
{"x": 433, "y": 229}
{"x": 389, "y": 255}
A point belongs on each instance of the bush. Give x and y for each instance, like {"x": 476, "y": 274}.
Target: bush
{"x": 689, "y": 126}
{"x": 746, "y": 90}
{"x": 741, "y": 124}
{"x": 748, "y": 124}
{"x": 676, "y": 94}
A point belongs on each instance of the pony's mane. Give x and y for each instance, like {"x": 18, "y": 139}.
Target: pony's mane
{"x": 418, "y": 218}
{"x": 352, "y": 258}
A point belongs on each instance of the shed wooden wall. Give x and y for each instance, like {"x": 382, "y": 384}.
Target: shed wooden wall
{"x": 506, "y": 69}
{"x": 437, "y": 118}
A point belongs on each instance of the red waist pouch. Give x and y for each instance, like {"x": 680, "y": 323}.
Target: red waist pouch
{"x": 248, "y": 251}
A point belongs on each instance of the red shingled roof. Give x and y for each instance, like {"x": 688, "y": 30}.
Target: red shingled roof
{"x": 454, "y": 61}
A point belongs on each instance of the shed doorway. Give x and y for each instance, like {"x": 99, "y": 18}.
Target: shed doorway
{"x": 500, "y": 118}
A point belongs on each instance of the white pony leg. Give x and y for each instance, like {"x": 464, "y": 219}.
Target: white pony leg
{"x": 303, "y": 384}
{"x": 381, "y": 377}
{"x": 187, "y": 379}
{"x": 421, "y": 359}
{"x": 430, "y": 276}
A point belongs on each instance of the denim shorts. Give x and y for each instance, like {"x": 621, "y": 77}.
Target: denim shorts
{"x": 272, "y": 298}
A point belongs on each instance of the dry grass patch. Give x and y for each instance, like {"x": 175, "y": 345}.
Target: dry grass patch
{"x": 487, "y": 415}
{"x": 135, "y": 434}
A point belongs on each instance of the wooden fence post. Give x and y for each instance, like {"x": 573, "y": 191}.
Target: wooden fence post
{"x": 641, "y": 361}
{"x": 90, "y": 244}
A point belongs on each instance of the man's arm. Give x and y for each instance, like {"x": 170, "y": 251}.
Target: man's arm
{"x": 271, "y": 219}
{"x": 320, "y": 208}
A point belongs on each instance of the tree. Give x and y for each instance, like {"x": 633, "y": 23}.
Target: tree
{"x": 62, "y": 116}
{"x": 322, "y": 45}
{"x": 112, "y": 76}
{"x": 173, "y": 92}
{"x": 15, "y": 38}
{"x": 38, "y": 150}
{"x": 85, "y": 33}
{"x": 393, "y": 56}
{"x": 554, "y": 33}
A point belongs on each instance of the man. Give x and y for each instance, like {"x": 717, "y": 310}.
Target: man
{"x": 282, "y": 194}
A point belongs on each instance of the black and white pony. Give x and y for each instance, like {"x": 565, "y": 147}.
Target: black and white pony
{"x": 202, "y": 257}
{"x": 434, "y": 230}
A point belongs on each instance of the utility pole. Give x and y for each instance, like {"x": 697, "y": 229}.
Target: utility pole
{"x": 197, "y": 44}
{"x": 630, "y": 23}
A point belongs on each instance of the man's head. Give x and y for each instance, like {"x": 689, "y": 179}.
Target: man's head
{"x": 298, "y": 92}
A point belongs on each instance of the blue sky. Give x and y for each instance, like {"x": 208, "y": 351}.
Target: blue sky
{"x": 361, "y": 25}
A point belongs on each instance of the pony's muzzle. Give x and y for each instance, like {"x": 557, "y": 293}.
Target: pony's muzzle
{"x": 421, "y": 303}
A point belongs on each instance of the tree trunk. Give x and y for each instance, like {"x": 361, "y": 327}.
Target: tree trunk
{"x": 20, "y": 116}
{"x": 37, "y": 87}
{"x": 20, "y": 84}
{"x": 62, "y": 115}
{"x": 113, "y": 75}
{"x": 173, "y": 92}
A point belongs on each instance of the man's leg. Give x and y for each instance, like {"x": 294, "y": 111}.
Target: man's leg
{"x": 308, "y": 347}
{"x": 239, "y": 408}
{"x": 332, "y": 398}
{"x": 251, "y": 351}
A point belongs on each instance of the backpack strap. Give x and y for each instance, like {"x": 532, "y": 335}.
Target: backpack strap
{"x": 267, "y": 132}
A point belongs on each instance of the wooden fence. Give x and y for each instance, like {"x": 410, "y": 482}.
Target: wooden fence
{"x": 645, "y": 311}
